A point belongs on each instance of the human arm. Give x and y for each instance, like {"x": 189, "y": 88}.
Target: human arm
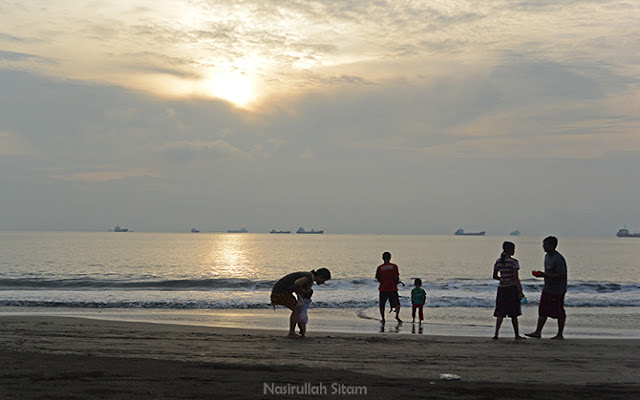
{"x": 550, "y": 276}
{"x": 518, "y": 284}
{"x": 302, "y": 285}
{"x": 496, "y": 274}
{"x": 557, "y": 270}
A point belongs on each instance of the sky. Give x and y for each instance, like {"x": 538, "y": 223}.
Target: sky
{"x": 353, "y": 116}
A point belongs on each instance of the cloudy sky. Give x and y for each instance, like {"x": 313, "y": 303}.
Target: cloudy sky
{"x": 356, "y": 116}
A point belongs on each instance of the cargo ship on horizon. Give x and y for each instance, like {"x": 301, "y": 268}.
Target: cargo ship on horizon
{"x": 243, "y": 230}
{"x": 312, "y": 231}
{"x": 461, "y": 232}
{"x": 624, "y": 232}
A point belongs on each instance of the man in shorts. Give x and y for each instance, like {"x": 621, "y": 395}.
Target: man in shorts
{"x": 555, "y": 287}
{"x": 388, "y": 276}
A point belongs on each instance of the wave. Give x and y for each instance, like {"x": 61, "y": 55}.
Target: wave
{"x": 471, "y": 285}
{"x": 254, "y": 294}
{"x": 171, "y": 284}
{"x": 221, "y": 304}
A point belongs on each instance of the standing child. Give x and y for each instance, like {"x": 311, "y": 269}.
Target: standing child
{"x": 510, "y": 293}
{"x": 305, "y": 301}
{"x": 418, "y": 298}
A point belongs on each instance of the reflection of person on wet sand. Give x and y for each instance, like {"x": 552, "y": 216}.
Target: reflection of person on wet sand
{"x": 389, "y": 277}
{"x": 394, "y": 329}
{"x": 299, "y": 283}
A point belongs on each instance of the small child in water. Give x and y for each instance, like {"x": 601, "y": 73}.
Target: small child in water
{"x": 418, "y": 298}
{"x": 305, "y": 301}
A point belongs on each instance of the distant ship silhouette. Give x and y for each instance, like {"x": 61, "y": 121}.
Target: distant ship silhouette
{"x": 461, "y": 232}
{"x": 312, "y": 231}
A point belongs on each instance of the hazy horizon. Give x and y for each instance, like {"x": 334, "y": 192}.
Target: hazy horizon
{"x": 394, "y": 117}
{"x": 505, "y": 235}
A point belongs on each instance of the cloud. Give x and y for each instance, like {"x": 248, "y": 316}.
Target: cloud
{"x": 108, "y": 175}
{"x": 188, "y": 151}
{"x": 11, "y": 38}
{"x": 442, "y": 102}
{"x": 14, "y": 57}
{"x": 297, "y": 46}
{"x": 12, "y": 144}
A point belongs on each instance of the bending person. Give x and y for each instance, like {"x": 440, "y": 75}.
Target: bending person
{"x": 299, "y": 283}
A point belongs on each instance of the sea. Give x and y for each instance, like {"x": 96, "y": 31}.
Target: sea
{"x": 225, "y": 279}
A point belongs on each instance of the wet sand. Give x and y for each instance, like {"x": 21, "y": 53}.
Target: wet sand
{"x": 75, "y": 358}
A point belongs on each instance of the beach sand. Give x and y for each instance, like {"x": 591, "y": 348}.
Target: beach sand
{"x": 75, "y": 358}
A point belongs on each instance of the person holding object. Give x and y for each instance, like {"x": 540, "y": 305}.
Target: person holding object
{"x": 299, "y": 283}
{"x": 555, "y": 287}
{"x": 389, "y": 277}
{"x": 510, "y": 292}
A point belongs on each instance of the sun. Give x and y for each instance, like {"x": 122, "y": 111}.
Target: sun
{"x": 234, "y": 87}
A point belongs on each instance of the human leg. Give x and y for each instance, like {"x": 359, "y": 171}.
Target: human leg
{"x": 394, "y": 300}
{"x": 498, "y": 324}
{"x": 561, "y": 322}
{"x": 545, "y": 309}
{"x": 293, "y": 320}
{"x": 561, "y": 315}
{"x": 303, "y": 328}
{"x": 288, "y": 300}
{"x": 383, "y": 303}
{"x": 516, "y": 328}
{"x": 538, "y": 332}
{"x": 421, "y": 313}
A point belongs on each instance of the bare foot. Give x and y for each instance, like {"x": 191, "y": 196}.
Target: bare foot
{"x": 520, "y": 338}
{"x": 293, "y": 335}
{"x": 398, "y": 319}
{"x": 558, "y": 337}
{"x": 533, "y": 335}
{"x": 495, "y": 338}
